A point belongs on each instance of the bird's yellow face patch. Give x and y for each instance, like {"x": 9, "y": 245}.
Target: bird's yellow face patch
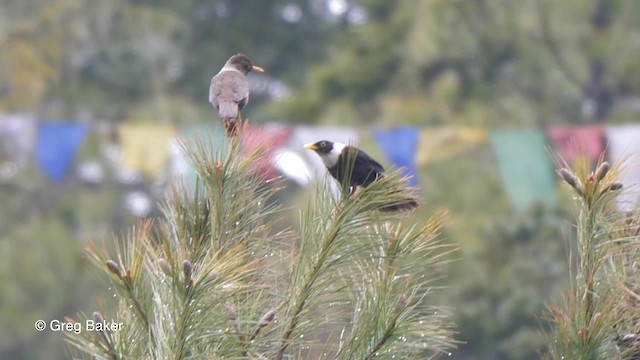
{"x": 257, "y": 69}
{"x": 311, "y": 146}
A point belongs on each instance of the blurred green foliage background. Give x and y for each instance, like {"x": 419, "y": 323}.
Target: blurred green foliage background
{"x": 359, "y": 63}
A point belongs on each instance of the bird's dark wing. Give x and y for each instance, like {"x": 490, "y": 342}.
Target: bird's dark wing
{"x": 365, "y": 168}
{"x": 364, "y": 159}
{"x": 238, "y": 82}
{"x": 215, "y": 89}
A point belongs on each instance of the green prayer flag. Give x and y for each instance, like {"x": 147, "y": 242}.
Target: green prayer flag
{"x": 210, "y": 136}
{"x": 524, "y": 165}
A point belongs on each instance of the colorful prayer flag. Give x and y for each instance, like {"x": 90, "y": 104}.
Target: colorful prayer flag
{"x": 17, "y": 138}
{"x": 264, "y": 140}
{"x": 440, "y": 143}
{"x": 209, "y": 135}
{"x": 145, "y": 147}
{"x": 56, "y": 146}
{"x": 624, "y": 148}
{"x": 527, "y": 173}
{"x": 400, "y": 146}
{"x": 575, "y": 141}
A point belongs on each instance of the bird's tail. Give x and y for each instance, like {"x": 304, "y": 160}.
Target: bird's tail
{"x": 231, "y": 118}
{"x": 228, "y": 110}
{"x": 406, "y": 204}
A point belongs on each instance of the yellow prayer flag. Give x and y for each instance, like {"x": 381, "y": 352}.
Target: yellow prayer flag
{"x": 146, "y": 147}
{"x": 440, "y": 143}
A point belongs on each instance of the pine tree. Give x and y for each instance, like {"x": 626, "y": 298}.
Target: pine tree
{"x": 213, "y": 279}
{"x": 598, "y": 316}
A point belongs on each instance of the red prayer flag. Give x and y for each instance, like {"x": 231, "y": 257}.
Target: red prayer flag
{"x": 576, "y": 141}
{"x": 266, "y": 140}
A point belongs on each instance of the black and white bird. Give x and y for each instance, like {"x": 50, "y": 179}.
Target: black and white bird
{"x": 229, "y": 91}
{"x": 337, "y": 157}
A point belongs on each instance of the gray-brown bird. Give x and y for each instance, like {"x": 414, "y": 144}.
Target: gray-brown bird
{"x": 229, "y": 91}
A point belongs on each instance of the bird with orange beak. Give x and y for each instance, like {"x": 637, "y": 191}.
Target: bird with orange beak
{"x": 229, "y": 91}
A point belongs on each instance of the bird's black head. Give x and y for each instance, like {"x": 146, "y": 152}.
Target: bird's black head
{"x": 329, "y": 151}
{"x": 242, "y": 63}
{"x": 321, "y": 147}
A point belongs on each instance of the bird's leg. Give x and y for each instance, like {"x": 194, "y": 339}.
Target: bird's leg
{"x": 355, "y": 191}
{"x": 242, "y": 124}
{"x": 239, "y": 119}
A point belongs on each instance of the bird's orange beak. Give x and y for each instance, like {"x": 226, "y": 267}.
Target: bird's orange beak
{"x": 257, "y": 69}
{"x": 311, "y": 146}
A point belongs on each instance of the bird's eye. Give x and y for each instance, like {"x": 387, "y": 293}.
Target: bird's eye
{"x": 323, "y": 144}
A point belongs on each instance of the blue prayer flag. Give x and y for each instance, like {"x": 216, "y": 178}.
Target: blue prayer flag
{"x": 400, "y": 146}
{"x": 56, "y": 146}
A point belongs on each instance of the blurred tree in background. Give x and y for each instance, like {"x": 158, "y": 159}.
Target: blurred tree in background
{"x": 487, "y": 63}
{"x": 479, "y": 62}
{"x": 118, "y": 59}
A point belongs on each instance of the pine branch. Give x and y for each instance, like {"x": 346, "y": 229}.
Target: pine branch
{"x": 302, "y": 297}
{"x": 202, "y": 282}
{"x": 348, "y": 232}
{"x": 313, "y": 267}
{"x": 383, "y": 340}
{"x": 593, "y": 308}
{"x": 395, "y": 296}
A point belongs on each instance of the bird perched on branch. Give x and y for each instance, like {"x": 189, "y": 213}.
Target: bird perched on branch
{"x": 229, "y": 91}
{"x": 337, "y": 157}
